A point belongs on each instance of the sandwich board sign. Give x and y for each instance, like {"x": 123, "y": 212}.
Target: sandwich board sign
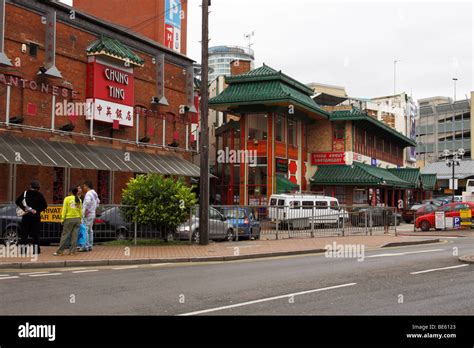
{"x": 439, "y": 220}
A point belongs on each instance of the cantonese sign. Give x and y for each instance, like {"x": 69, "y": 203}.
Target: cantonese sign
{"x": 322, "y": 158}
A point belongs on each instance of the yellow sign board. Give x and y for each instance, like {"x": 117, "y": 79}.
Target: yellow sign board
{"x": 52, "y": 214}
{"x": 465, "y": 215}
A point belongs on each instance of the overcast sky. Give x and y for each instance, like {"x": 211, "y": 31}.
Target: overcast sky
{"x": 351, "y": 44}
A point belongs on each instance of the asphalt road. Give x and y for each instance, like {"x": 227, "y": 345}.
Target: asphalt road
{"x": 386, "y": 282}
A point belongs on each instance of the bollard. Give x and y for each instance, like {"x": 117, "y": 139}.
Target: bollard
{"x": 395, "y": 223}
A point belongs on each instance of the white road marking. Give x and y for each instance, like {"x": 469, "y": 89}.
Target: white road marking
{"x": 13, "y": 277}
{"x": 30, "y": 273}
{"x": 160, "y": 264}
{"x": 45, "y": 274}
{"x": 124, "y": 267}
{"x": 4, "y": 275}
{"x": 404, "y": 253}
{"x": 266, "y": 299}
{"x": 439, "y": 269}
{"x": 75, "y": 269}
{"x": 86, "y": 271}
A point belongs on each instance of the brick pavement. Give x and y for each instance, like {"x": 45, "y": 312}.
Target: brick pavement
{"x": 214, "y": 251}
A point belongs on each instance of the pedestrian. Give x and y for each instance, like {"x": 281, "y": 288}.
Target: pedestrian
{"x": 31, "y": 221}
{"x": 91, "y": 202}
{"x": 71, "y": 221}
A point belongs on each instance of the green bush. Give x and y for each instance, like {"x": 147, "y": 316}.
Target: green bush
{"x": 156, "y": 200}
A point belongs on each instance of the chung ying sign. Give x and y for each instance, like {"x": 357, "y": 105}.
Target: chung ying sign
{"x": 322, "y": 158}
{"x": 110, "y": 90}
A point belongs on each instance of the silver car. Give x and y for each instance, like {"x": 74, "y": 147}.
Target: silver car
{"x": 219, "y": 227}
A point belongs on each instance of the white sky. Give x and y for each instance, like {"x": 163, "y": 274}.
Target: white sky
{"x": 352, "y": 43}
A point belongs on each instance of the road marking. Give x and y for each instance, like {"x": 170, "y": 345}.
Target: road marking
{"x": 30, "y": 273}
{"x": 439, "y": 269}
{"x": 405, "y": 253}
{"x": 124, "y": 267}
{"x": 45, "y": 274}
{"x": 13, "y": 277}
{"x": 75, "y": 269}
{"x": 86, "y": 271}
{"x": 266, "y": 299}
{"x": 4, "y": 275}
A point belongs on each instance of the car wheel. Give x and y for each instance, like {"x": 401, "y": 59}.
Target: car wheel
{"x": 195, "y": 237}
{"x": 425, "y": 225}
{"x": 229, "y": 235}
{"x": 407, "y": 221}
{"x": 257, "y": 236}
{"x": 122, "y": 234}
{"x": 11, "y": 236}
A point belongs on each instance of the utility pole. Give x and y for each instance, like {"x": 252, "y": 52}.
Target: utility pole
{"x": 204, "y": 143}
{"x": 455, "y": 79}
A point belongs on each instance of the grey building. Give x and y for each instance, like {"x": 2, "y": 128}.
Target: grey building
{"x": 442, "y": 124}
{"x": 220, "y": 58}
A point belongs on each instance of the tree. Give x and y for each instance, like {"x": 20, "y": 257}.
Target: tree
{"x": 155, "y": 200}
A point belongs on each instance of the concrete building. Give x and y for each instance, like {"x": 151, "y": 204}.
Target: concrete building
{"x": 443, "y": 124}
{"x": 220, "y": 58}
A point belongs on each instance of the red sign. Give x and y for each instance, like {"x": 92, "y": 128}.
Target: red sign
{"x": 110, "y": 84}
{"x": 322, "y": 158}
{"x": 169, "y": 36}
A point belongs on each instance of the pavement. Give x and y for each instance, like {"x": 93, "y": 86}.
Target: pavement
{"x": 425, "y": 279}
{"x": 223, "y": 251}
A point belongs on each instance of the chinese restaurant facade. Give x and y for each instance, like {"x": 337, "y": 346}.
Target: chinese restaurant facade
{"x": 302, "y": 147}
{"x": 84, "y": 99}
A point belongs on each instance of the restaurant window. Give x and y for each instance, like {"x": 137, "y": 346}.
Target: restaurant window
{"x": 339, "y": 131}
{"x": 103, "y": 186}
{"x": 360, "y": 196}
{"x": 258, "y": 126}
{"x": 292, "y": 127}
{"x": 340, "y": 194}
{"x": 58, "y": 185}
{"x": 280, "y": 128}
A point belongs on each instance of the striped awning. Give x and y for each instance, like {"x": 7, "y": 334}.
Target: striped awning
{"x": 41, "y": 152}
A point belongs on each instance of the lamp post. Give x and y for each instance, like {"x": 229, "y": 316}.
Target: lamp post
{"x": 455, "y": 79}
{"x": 452, "y": 160}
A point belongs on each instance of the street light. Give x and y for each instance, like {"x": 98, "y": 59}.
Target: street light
{"x": 452, "y": 160}
{"x": 454, "y": 80}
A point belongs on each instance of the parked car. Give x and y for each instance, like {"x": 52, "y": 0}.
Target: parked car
{"x": 219, "y": 227}
{"x": 426, "y": 222}
{"x": 302, "y": 210}
{"x": 433, "y": 202}
{"x": 375, "y": 216}
{"x": 243, "y": 221}
{"x": 415, "y": 210}
{"x": 111, "y": 225}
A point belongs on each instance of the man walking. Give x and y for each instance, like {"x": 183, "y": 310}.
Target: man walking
{"x": 89, "y": 207}
{"x": 31, "y": 221}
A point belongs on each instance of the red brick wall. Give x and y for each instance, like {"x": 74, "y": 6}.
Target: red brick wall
{"x": 147, "y": 19}
{"x": 23, "y": 26}
{"x": 240, "y": 66}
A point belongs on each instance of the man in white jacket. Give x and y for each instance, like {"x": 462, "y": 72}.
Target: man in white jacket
{"x": 89, "y": 207}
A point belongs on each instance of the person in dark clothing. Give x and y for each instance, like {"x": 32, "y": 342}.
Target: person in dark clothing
{"x": 31, "y": 221}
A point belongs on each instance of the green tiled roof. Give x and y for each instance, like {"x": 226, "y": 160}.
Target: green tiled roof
{"x": 412, "y": 175}
{"x": 429, "y": 181}
{"x": 283, "y": 185}
{"x": 114, "y": 48}
{"x": 266, "y": 85}
{"x": 356, "y": 174}
{"x": 358, "y": 115}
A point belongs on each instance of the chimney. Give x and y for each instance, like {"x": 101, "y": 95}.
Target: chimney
{"x": 240, "y": 66}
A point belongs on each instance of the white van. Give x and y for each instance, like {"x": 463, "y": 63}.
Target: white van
{"x": 300, "y": 210}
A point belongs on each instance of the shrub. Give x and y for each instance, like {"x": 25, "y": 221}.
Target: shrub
{"x": 156, "y": 200}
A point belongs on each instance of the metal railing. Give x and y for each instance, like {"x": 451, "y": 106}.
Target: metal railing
{"x": 226, "y": 223}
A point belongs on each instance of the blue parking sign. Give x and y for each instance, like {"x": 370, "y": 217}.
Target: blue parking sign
{"x": 457, "y": 222}
{"x": 173, "y": 13}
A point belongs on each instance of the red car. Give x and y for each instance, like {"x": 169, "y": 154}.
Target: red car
{"x": 425, "y": 222}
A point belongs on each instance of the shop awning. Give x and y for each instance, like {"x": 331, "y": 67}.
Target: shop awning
{"x": 283, "y": 185}
{"x": 41, "y": 152}
{"x": 357, "y": 174}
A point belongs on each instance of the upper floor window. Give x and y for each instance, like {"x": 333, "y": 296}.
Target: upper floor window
{"x": 292, "y": 127}
{"x": 280, "y": 128}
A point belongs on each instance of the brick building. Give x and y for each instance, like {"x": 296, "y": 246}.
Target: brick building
{"x": 83, "y": 98}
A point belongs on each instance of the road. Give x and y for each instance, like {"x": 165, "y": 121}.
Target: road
{"x": 415, "y": 280}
